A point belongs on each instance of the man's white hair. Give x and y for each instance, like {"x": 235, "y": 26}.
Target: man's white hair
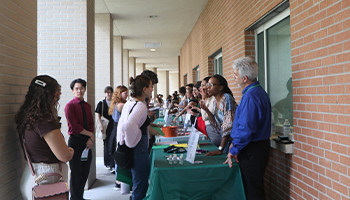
{"x": 246, "y": 66}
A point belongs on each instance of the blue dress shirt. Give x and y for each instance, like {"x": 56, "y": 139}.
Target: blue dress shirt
{"x": 253, "y": 118}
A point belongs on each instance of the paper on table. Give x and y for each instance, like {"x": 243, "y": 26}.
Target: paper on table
{"x": 154, "y": 108}
{"x": 167, "y": 143}
{"x": 192, "y": 145}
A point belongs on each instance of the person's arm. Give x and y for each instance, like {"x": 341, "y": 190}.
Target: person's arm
{"x": 245, "y": 125}
{"x": 120, "y": 106}
{"x": 191, "y": 104}
{"x": 77, "y": 128}
{"x": 227, "y": 121}
{"x": 229, "y": 114}
{"x": 223, "y": 143}
{"x": 98, "y": 115}
{"x": 210, "y": 115}
{"x": 58, "y": 146}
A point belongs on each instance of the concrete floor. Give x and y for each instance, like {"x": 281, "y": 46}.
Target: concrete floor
{"x": 103, "y": 188}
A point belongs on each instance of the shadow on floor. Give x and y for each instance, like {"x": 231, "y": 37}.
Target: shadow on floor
{"x": 103, "y": 188}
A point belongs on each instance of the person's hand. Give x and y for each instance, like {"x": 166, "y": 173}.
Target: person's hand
{"x": 174, "y": 120}
{"x": 202, "y": 105}
{"x": 71, "y": 150}
{"x": 89, "y": 143}
{"x": 176, "y": 104}
{"x": 213, "y": 153}
{"x": 229, "y": 159}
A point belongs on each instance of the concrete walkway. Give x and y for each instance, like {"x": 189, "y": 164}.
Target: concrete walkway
{"x": 103, "y": 188}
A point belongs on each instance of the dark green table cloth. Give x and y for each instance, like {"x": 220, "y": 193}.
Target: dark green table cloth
{"x": 210, "y": 180}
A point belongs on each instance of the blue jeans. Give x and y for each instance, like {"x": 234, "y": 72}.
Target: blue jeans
{"x": 140, "y": 171}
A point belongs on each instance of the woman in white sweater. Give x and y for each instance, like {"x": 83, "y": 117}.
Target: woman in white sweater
{"x": 133, "y": 131}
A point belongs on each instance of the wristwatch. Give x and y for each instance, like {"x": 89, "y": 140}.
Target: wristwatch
{"x": 220, "y": 148}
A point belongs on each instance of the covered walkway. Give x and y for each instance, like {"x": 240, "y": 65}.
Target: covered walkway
{"x": 302, "y": 48}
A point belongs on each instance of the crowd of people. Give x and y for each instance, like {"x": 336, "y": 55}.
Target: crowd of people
{"x": 240, "y": 131}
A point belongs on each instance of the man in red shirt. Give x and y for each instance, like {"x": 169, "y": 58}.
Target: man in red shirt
{"x": 81, "y": 132}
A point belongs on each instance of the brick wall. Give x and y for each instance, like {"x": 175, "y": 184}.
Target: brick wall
{"x": 320, "y": 32}
{"x": 18, "y": 66}
{"x": 320, "y": 41}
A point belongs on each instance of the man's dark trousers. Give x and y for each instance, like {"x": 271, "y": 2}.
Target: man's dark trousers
{"x": 253, "y": 160}
{"x": 79, "y": 169}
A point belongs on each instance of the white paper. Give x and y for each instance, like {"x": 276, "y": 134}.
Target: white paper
{"x": 192, "y": 145}
{"x": 154, "y": 108}
{"x": 187, "y": 122}
{"x": 84, "y": 155}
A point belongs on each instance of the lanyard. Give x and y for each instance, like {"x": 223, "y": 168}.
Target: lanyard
{"x": 251, "y": 88}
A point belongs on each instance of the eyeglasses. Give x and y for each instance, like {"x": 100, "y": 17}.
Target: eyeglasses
{"x": 212, "y": 84}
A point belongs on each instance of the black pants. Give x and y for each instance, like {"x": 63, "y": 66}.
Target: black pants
{"x": 253, "y": 161}
{"x": 106, "y": 155}
{"x": 79, "y": 169}
{"x": 112, "y": 144}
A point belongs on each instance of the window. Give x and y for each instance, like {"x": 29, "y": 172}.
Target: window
{"x": 195, "y": 73}
{"x": 273, "y": 49}
{"x": 218, "y": 64}
{"x": 185, "y": 79}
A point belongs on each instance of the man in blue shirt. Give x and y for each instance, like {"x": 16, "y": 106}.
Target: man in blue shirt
{"x": 251, "y": 129}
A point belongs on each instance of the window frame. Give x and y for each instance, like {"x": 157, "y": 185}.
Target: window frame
{"x": 196, "y": 71}
{"x": 263, "y": 28}
{"x": 216, "y": 57}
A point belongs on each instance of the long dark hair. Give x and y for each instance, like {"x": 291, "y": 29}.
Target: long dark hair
{"x": 224, "y": 83}
{"x": 39, "y": 103}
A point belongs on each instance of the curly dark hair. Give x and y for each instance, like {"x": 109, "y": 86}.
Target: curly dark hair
{"x": 40, "y": 102}
{"x": 151, "y": 75}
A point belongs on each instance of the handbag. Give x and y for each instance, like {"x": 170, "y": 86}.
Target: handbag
{"x": 124, "y": 155}
{"x": 53, "y": 191}
{"x": 104, "y": 122}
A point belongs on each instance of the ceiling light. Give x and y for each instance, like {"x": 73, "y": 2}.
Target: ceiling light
{"x": 153, "y": 16}
{"x": 153, "y": 45}
{"x": 153, "y": 49}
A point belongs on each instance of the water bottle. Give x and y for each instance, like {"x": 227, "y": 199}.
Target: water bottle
{"x": 273, "y": 127}
{"x": 286, "y": 128}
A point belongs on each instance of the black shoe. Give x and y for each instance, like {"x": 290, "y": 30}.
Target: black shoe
{"x": 131, "y": 197}
{"x": 117, "y": 186}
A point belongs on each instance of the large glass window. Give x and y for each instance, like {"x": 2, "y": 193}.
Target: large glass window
{"x": 218, "y": 64}
{"x": 273, "y": 48}
{"x": 195, "y": 74}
